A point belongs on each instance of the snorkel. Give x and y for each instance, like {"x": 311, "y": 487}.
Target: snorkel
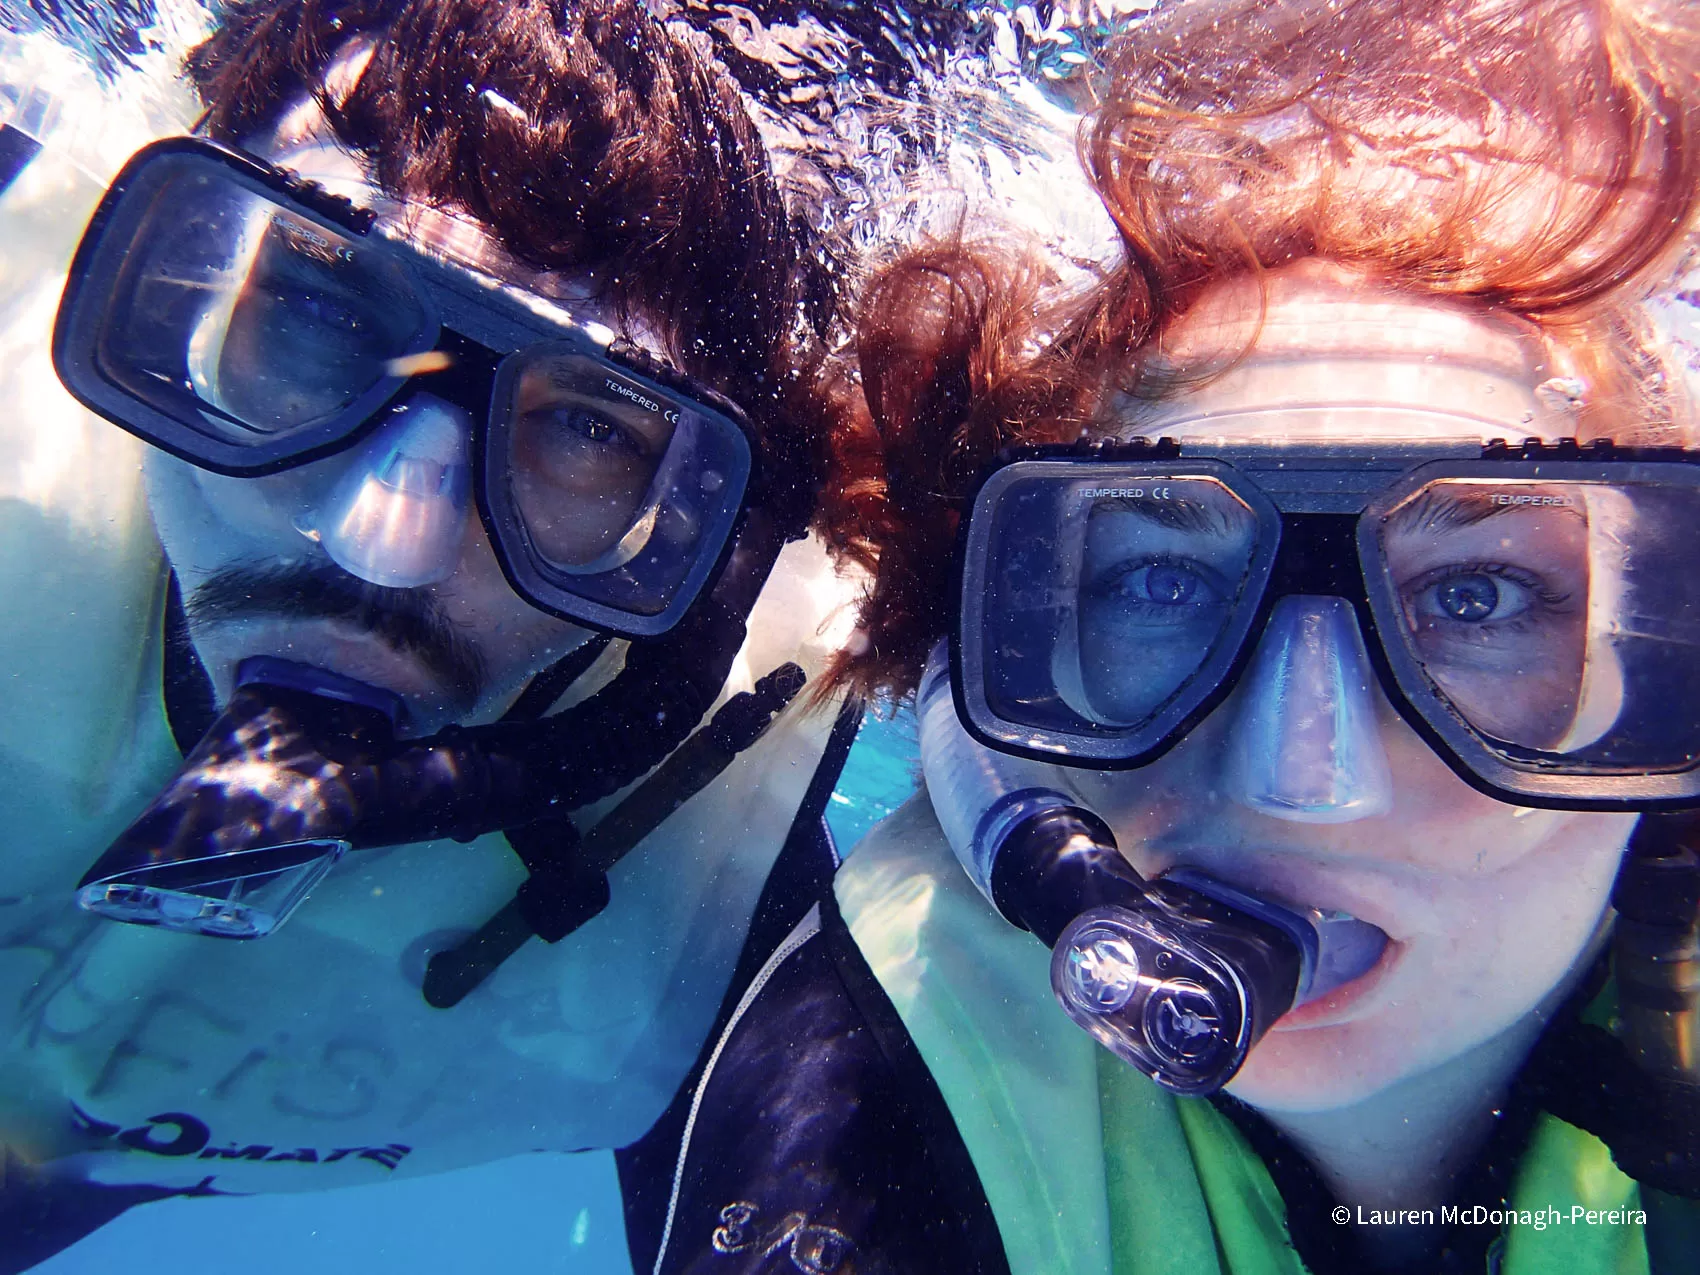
{"x": 305, "y": 765}
{"x": 1180, "y": 976}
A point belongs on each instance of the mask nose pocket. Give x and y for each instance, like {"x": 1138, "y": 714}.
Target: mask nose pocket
{"x": 397, "y": 515}
{"x": 1306, "y": 743}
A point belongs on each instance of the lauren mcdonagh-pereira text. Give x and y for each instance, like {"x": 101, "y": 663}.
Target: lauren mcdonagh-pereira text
{"x": 1482, "y": 1215}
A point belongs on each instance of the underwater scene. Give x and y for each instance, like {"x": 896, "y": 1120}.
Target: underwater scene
{"x": 859, "y": 637}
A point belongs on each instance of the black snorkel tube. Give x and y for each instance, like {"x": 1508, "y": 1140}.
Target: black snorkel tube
{"x": 1181, "y": 976}
{"x": 304, "y": 765}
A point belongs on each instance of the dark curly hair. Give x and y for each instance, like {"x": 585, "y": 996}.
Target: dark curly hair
{"x": 628, "y": 161}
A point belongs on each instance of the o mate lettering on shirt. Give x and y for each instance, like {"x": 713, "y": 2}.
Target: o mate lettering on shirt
{"x": 177, "y": 1134}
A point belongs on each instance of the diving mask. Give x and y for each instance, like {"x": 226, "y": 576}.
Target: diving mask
{"x": 1532, "y": 611}
{"x": 248, "y": 323}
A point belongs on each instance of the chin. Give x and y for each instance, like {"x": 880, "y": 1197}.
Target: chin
{"x": 1326, "y": 1068}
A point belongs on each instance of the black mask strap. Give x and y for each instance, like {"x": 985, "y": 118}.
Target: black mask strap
{"x": 190, "y": 707}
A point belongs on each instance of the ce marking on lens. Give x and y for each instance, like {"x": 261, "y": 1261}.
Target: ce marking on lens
{"x": 1127, "y": 493}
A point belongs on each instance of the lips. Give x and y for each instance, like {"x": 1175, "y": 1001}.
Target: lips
{"x": 1296, "y": 879}
{"x": 340, "y": 649}
{"x": 1389, "y": 896}
{"x": 1344, "y": 1002}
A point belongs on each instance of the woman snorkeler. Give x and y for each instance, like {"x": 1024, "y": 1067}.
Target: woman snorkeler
{"x": 1333, "y": 560}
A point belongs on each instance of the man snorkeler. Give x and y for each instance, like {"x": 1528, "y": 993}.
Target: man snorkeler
{"x": 464, "y": 341}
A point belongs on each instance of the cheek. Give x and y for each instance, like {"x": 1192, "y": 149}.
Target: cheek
{"x": 516, "y": 639}
{"x": 207, "y": 520}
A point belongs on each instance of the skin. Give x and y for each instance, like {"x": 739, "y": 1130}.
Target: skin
{"x": 207, "y": 523}
{"x": 1491, "y": 909}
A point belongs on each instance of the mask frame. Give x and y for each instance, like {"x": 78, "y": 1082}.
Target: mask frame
{"x": 1319, "y": 509}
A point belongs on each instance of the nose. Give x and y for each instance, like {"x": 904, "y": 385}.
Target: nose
{"x": 1305, "y": 742}
{"x": 397, "y": 515}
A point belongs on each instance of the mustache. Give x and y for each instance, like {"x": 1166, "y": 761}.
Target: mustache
{"x": 408, "y": 621}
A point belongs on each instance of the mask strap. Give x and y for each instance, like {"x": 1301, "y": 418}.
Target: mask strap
{"x": 542, "y": 691}
{"x": 569, "y": 874}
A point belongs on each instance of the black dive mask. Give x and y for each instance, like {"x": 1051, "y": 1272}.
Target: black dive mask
{"x": 248, "y": 323}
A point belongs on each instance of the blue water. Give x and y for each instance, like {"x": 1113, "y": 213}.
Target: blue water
{"x": 537, "y": 1213}
{"x": 879, "y": 776}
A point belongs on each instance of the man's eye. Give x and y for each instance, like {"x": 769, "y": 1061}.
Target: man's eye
{"x": 575, "y": 426}
{"x": 321, "y": 311}
{"x": 587, "y": 424}
{"x": 334, "y": 315}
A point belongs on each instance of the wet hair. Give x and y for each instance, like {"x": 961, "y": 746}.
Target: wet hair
{"x": 588, "y": 140}
{"x": 1541, "y": 157}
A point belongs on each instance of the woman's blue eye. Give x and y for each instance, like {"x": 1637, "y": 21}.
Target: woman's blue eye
{"x": 1468, "y": 598}
{"x": 1169, "y": 584}
{"x": 1164, "y": 584}
{"x": 1477, "y": 598}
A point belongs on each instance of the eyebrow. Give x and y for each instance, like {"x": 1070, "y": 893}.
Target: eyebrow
{"x": 1177, "y": 515}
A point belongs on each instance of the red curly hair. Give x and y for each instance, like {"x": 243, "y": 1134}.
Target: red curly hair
{"x": 1537, "y": 156}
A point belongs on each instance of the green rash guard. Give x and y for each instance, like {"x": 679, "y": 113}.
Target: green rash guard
{"x": 1089, "y": 1168}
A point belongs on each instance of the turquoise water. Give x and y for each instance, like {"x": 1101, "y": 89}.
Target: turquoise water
{"x": 543, "y": 1213}
{"x": 878, "y": 778}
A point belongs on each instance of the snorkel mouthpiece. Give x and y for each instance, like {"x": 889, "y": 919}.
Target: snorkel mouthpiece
{"x": 305, "y": 764}
{"x": 1169, "y": 979}
{"x": 1180, "y": 977}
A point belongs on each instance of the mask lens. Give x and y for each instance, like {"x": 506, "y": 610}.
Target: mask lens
{"x": 1160, "y": 576}
{"x": 1558, "y": 619}
{"x": 245, "y": 320}
{"x": 585, "y": 450}
{"x": 618, "y": 494}
{"x": 1100, "y": 602}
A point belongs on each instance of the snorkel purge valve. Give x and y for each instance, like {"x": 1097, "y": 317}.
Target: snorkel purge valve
{"x": 1179, "y": 977}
